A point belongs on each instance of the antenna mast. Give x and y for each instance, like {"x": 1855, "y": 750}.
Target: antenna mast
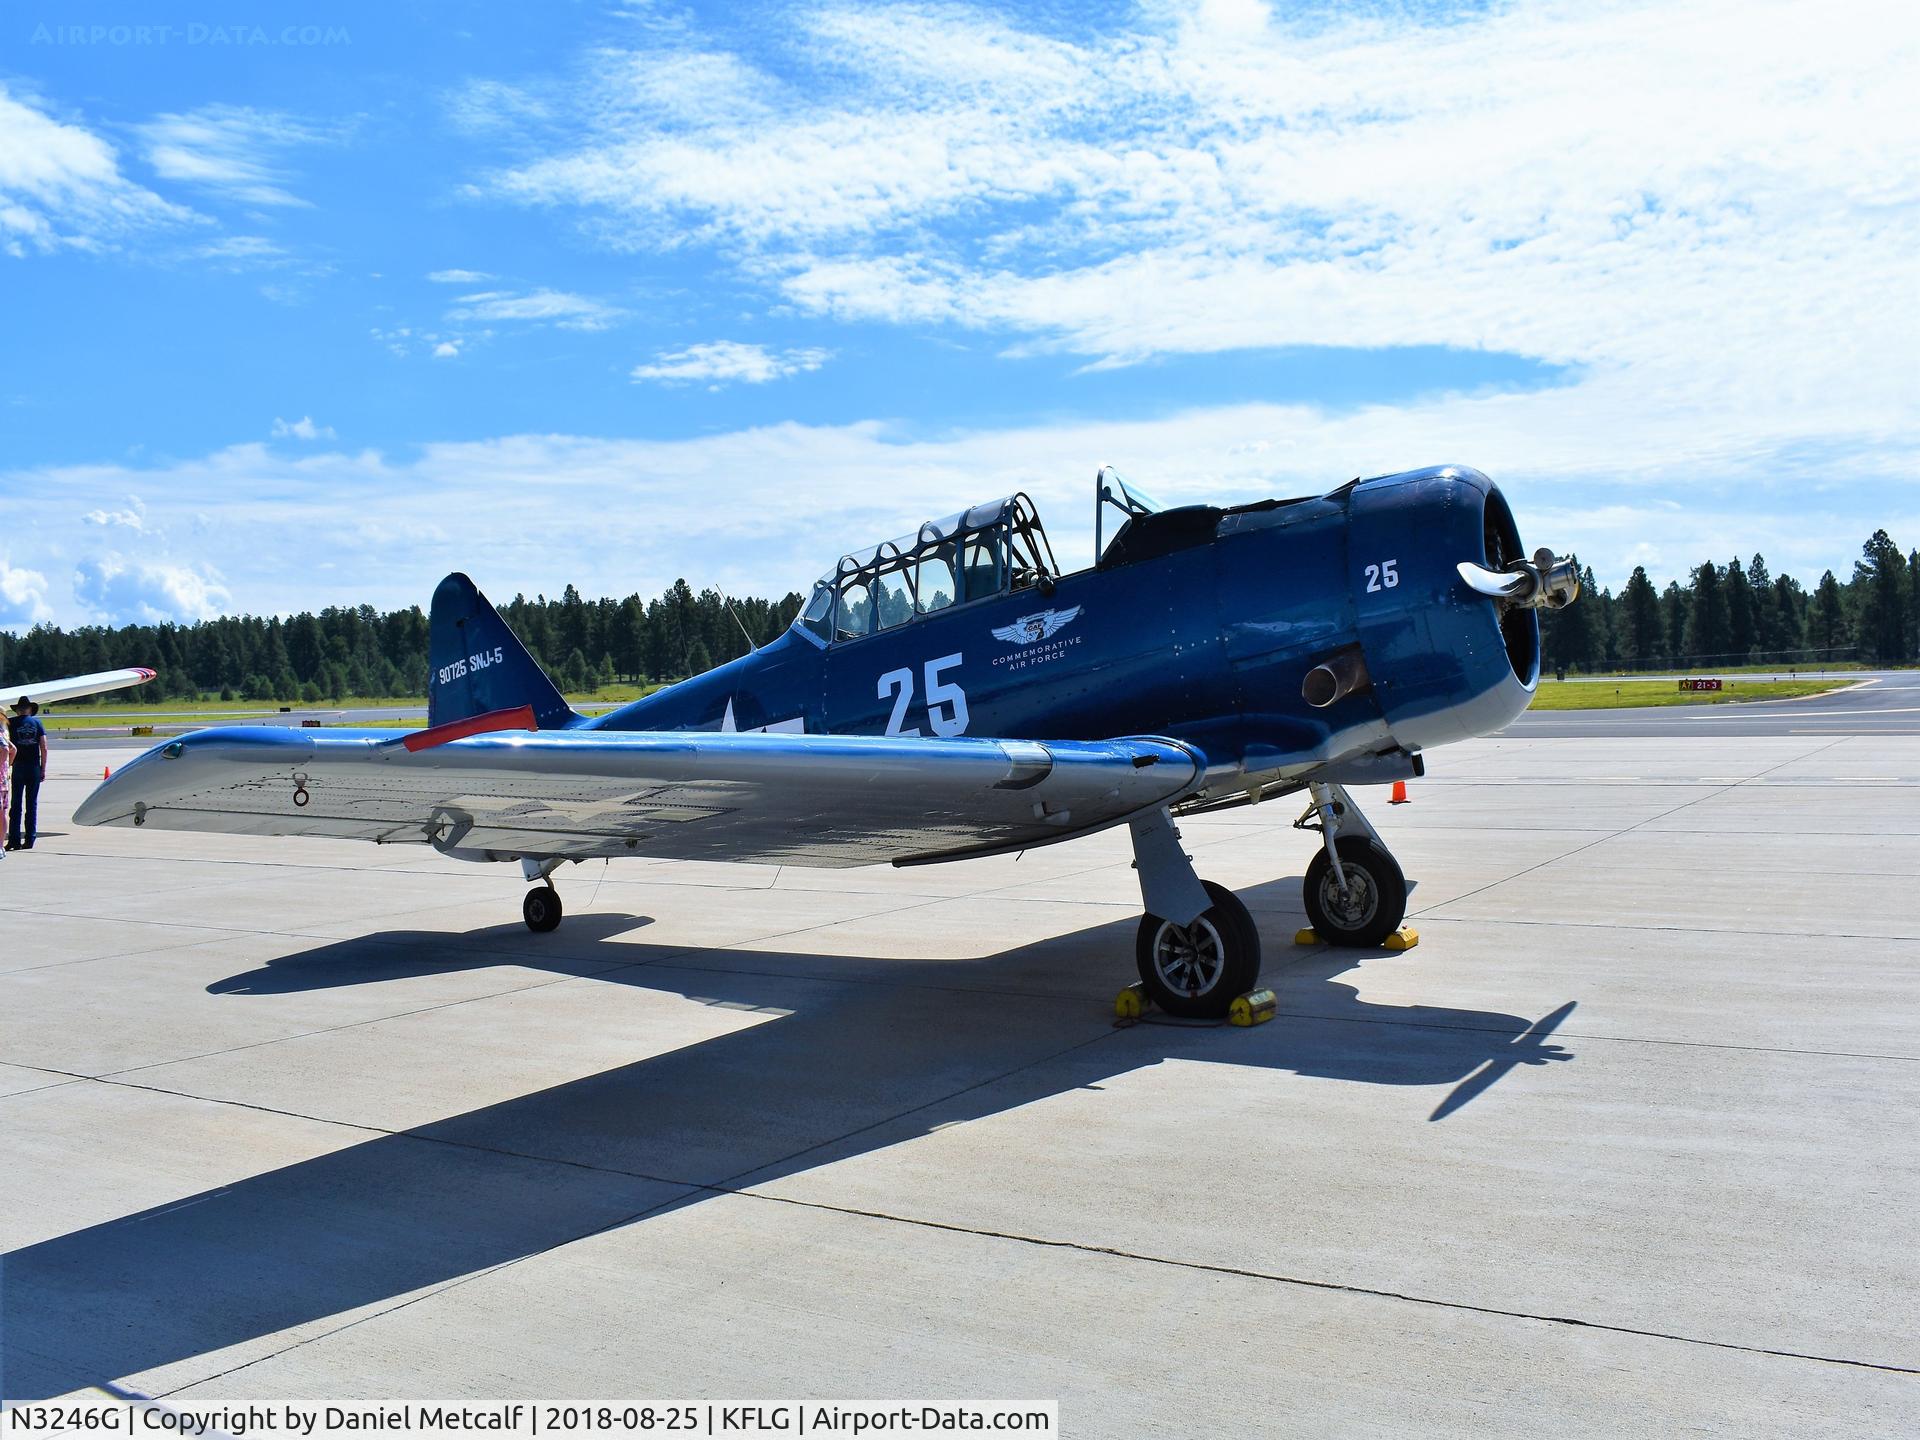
{"x": 751, "y": 647}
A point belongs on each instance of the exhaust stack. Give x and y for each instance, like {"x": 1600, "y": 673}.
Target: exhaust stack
{"x": 1335, "y": 678}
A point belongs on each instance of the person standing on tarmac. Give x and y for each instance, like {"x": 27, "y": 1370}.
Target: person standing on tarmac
{"x": 29, "y": 740}
{"x": 6, "y": 769}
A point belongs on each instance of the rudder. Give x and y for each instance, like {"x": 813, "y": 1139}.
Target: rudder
{"x": 477, "y": 665}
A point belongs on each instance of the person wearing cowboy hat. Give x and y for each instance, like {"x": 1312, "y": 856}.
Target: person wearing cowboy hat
{"x": 29, "y": 740}
{"x": 6, "y": 775}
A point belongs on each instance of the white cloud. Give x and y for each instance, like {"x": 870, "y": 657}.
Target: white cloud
{"x": 482, "y": 107}
{"x": 458, "y": 277}
{"x": 537, "y": 512}
{"x": 133, "y": 516}
{"x": 1710, "y": 213}
{"x": 557, "y": 307}
{"x": 301, "y": 429}
{"x": 122, "y": 591}
{"x": 398, "y": 341}
{"x": 61, "y": 186}
{"x": 720, "y": 362}
{"x": 229, "y": 149}
{"x": 242, "y": 250}
{"x": 23, "y": 597}
{"x": 403, "y": 342}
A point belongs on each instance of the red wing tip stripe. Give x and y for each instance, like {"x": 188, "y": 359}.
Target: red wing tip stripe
{"x": 519, "y": 718}
{"x": 145, "y": 674}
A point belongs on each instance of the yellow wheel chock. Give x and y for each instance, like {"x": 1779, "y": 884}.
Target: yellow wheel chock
{"x": 1405, "y": 938}
{"x": 1256, "y": 1007}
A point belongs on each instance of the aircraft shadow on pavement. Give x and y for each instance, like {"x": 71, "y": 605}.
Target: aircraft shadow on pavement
{"x": 841, "y": 1070}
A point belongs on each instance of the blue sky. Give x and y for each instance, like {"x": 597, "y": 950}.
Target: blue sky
{"x": 313, "y": 312}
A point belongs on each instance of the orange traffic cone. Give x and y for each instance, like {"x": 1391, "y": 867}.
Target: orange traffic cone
{"x": 1399, "y": 793}
{"x": 106, "y": 772}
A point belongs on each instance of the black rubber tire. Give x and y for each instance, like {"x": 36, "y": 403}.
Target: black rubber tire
{"x": 1383, "y": 903}
{"x": 541, "y": 909}
{"x": 1226, "y": 933}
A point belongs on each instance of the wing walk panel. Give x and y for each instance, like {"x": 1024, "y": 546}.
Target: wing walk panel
{"x": 817, "y": 800}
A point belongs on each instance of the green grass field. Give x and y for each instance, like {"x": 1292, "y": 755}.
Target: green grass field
{"x": 1635, "y": 694}
{"x": 1814, "y": 668}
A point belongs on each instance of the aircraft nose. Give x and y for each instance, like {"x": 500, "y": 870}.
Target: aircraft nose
{"x": 1453, "y": 640}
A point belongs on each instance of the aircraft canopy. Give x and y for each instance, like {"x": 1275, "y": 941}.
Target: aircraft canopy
{"x": 989, "y": 550}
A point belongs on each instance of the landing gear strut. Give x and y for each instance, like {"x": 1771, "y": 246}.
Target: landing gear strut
{"x": 541, "y": 908}
{"x": 1197, "y": 947}
{"x": 1354, "y": 892}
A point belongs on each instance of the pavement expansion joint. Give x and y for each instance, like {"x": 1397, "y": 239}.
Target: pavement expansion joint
{"x": 1434, "y": 916}
{"x": 430, "y": 1293}
{"x": 1286, "y": 1014}
{"x": 1637, "y": 825}
{"x": 1340, "y": 1287}
{"x": 671, "y": 959}
{"x": 390, "y": 1015}
{"x": 218, "y": 930}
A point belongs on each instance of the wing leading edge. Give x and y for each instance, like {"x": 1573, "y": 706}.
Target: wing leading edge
{"x": 815, "y": 800}
{"x": 72, "y": 688}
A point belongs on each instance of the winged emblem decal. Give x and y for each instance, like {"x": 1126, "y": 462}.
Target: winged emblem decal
{"x": 1039, "y": 626}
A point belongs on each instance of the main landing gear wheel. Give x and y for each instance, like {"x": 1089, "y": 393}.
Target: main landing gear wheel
{"x": 1196, "y": 970}
{"x": 541, "y": 909}
{"x": 1375, "y": 901}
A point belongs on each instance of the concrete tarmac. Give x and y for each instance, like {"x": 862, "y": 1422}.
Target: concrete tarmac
{"x": 1624, "y": 1147}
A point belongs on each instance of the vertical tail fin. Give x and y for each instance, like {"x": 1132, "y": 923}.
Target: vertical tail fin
{"x": 478, "y": 665}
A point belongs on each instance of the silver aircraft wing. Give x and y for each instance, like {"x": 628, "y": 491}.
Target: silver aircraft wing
{"x": 816, "y": 800}
{"x": 46, "y": 692}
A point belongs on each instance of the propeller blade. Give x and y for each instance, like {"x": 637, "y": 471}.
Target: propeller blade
{"x": 1500, "y": 584}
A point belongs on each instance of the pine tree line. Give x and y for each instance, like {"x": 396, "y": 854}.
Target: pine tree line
{"x": 1727, "y": 614}
{"x": 1738, "y": 614}
{"x": 584, "y": 644}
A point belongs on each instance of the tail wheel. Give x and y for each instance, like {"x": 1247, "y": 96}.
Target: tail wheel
{"x": 1195, "y": 970}
{"x": 1375, "y": 900}
{"x": 541, "y": 909}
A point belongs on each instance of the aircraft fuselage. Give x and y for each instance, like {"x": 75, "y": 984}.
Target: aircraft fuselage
{"x": 1208, "y": 641}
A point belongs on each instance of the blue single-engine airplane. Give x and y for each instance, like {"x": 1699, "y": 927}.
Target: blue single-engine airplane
{"x": 952, "y": 694}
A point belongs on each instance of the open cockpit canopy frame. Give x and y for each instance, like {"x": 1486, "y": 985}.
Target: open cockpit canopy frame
{"x": 992, "y": 549}
{"x": 1112, "y": 490}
